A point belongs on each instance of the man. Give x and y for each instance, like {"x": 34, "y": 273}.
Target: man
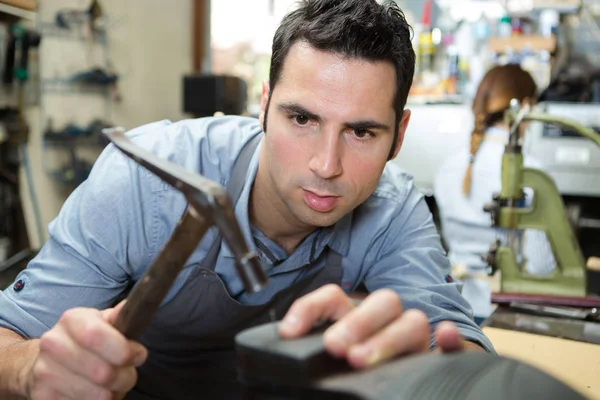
{"x": 318, "y": 204}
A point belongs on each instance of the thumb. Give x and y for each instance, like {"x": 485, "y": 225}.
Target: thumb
{"x": 140, "y": 353}
{"x": 110, "y": 314}
{"x": 448, "y": 338}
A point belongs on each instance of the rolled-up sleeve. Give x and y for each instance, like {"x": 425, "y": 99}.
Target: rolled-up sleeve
{"x": 409, "y": 259}
{"x": 102, "y": 235}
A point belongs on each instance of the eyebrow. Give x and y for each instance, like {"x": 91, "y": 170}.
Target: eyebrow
{"x": 356, "y": 125}
{"x": 367, "y": 124}
{"x": 298, "y": 109}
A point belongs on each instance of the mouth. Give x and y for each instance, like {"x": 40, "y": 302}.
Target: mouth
{"x": 320, "y": 202}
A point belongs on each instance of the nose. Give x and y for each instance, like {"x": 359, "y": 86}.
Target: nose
{"x": 326, "y": 160}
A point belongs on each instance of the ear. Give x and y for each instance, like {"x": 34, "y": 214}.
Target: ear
{"x": 401, "y": 131}
{"x": 264, "y": 99}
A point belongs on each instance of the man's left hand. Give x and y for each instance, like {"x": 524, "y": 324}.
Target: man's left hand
{"x": 374, "y": 331}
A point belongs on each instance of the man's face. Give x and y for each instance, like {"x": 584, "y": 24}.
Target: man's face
{"x": 329, "y": 130}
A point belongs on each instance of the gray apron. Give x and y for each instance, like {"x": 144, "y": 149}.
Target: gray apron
{"x": 191, "y": 339}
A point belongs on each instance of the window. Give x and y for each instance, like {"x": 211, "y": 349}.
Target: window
{"x": 241, "y": 37}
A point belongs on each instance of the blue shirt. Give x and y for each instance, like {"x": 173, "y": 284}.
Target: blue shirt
{"x": 113, "y": 226}
{"x": 467, "y": 228}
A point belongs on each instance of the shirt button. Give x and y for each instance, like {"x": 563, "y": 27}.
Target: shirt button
{"x": 19, "y": 285}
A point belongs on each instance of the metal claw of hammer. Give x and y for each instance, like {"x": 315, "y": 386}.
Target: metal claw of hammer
{"x": 208, "y": 204}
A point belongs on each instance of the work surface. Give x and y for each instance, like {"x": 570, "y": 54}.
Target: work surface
{"x": 575, "y": 363}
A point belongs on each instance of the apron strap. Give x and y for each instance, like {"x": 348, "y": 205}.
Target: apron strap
{"x": 240, "y": 168}
{"x": 234, "y": 189}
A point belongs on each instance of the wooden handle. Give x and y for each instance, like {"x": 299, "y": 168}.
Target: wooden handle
{"x": 146, "y": 296}
{"x": 593, "y": 264}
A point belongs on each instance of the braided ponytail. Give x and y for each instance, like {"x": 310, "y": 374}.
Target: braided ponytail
{"x": 497, "y": 88}
{"x": 476, "y": 139}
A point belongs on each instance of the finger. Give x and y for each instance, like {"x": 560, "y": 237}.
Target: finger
{"x": 64, "y": 350}
{"x": 376, "y": 311}
{"x": 110, "y": 314}
{"x": 125, "y": 380}
{"x": 593, "y": 263}
{"x": 52, "y": 379}
{"x": 92, "y": 332}
{"x": 448, "y": 338}
{"x": 409, "y": 334}
{"x": 326, "y": 303}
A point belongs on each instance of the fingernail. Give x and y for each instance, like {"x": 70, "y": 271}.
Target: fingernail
{"x": 366, "y": 355}
{"x": 290, "y": 323}
{"x": 338, "y": 336}
{"x": 373, "y": 357}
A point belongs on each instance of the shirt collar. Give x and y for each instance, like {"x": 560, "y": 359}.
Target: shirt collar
{"x": 339, "y": 241}
{"x": 498, "y": 133}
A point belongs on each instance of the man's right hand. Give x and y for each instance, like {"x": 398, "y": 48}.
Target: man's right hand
{"x": 84, "y": 357}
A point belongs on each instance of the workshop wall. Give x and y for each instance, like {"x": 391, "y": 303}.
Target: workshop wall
{"x": 149, "y": 47}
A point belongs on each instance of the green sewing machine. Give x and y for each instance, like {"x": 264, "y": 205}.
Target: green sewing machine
{"x": 546, "y": 213}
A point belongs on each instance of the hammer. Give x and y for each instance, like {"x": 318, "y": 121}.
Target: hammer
{"x": 208, "y": 205}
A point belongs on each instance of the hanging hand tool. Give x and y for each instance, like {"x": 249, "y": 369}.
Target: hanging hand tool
{"x": 20, "y": 41}
{"x": 208, "y": 205}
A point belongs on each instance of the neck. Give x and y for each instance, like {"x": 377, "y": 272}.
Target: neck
{"x": 270, "y": 214}
{"x": 504, "y": 126}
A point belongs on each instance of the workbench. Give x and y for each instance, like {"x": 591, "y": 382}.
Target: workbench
{"x": 575, "y": 363}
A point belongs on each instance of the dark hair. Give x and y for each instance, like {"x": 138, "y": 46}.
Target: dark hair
{"x": 501, "y": 83}
{"x": 354, "y": 28}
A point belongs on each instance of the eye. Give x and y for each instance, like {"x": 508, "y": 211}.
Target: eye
{"x": 301, "y": 119}
{"x": 362, "y": 133}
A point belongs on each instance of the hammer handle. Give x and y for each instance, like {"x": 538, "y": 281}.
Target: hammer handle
{"x": 147, "y": 295}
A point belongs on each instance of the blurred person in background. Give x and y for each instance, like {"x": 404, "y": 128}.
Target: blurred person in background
{"x": 469, "y": 179}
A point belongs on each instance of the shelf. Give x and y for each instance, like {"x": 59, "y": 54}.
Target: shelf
{"x": 562, "y": 6}
{"x": 23, "y": 9}
{"x": 520, "y": 43}
{"x": 76, "y": 141}
{"x": 49, "y": 29}
{"x": 30, "y": 5}
{"x": 67, "y": 86}
{"x": 428, "y": 99}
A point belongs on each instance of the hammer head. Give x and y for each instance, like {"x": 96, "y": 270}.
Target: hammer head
{"x": 206, "y": 198}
